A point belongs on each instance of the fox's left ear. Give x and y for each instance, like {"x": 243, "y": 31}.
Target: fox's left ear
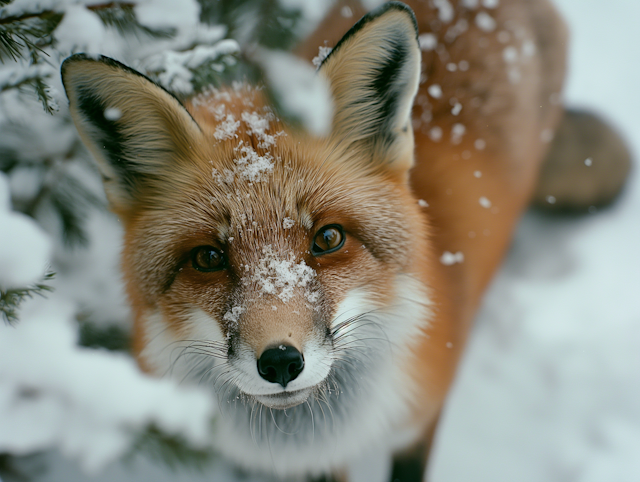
{"x": 374, "y": 73}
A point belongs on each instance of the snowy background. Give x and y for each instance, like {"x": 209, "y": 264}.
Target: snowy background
{"x": 549, "y": 388}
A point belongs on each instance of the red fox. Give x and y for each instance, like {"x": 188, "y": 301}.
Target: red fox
{"x": 324, "y": 287}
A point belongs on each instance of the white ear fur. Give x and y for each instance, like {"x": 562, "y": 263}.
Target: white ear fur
{"x": 136, "y": 130}
{"x": 374, "y": 73}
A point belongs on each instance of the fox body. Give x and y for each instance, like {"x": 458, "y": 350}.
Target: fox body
{"x": 323, "y": 287}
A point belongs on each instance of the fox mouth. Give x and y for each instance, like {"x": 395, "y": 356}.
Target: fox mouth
{"x": 284, "y": 400}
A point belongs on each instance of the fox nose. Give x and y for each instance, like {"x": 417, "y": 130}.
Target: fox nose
{"x": 280, "y": 364}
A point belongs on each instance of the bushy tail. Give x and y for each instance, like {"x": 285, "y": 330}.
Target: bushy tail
{"x": 587, "y": 165}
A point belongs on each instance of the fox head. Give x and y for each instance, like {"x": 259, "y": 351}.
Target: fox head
{"x": 275, "y": 266}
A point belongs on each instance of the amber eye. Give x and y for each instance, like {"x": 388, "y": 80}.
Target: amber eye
{"x": 328, "y": 239}
{"x": 207, "y": 258}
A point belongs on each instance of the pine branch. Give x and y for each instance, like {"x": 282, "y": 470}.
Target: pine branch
{"x": 26, "y": 35}
{"x": 110, "y": 337}
{"x": 121, "y": 16}
{"x": 170, "y": 450}
{"x": 10, "y": 300}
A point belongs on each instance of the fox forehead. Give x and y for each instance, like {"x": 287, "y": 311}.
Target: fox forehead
{"x": 256, "y": 184}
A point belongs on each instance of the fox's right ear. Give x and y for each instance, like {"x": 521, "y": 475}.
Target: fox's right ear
{"x": 374, "y": 74}
{"x": 137, "y": 131}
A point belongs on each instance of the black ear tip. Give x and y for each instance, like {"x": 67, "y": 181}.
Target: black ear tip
{"x": 82, "y": 57}
{"x": 70, "y": 60}
{"x": 398, "y": 6}
{"x": 371, "y": 16}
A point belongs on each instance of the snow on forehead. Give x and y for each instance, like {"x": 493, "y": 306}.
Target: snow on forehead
{"x": 279, "y": 274}
{"x": 249, "y": 164}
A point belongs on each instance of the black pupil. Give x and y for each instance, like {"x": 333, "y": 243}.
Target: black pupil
{"x": 331, "y": 238}
{"x": 328, "y": 239}
{"x": 208, "y": 258}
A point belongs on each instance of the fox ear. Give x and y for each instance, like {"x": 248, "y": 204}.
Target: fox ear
{"x": 136, "y": 130}
{"x": 374, "y": 73}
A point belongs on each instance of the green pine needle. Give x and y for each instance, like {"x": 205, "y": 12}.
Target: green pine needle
{"x": 11, "y": 299}
{"x": 170, "y": 451}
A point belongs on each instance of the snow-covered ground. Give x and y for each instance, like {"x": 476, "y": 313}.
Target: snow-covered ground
{"x": 549, "y": 389}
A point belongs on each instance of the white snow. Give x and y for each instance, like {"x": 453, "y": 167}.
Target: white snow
{"x": 346, "y": 12}
{"x": 485, "y": 22}
{"x": 548, "y": 386}
{"x": 164, "y": 14}
{"x": 422, "y": 203}
{"x": 435, "y": 91}
{"x": 449, "y": 258}
{"x": 112, "y": 113}
{"x": 457, "y": 131}
{"x": 279, "y": 276}
{"x": 252, "y": 166}
{"x": 445, "y": 10}
{"x": 234, "y": 315}
{"x": 288, "y": 223}
{"x": 484, "y": 202}
{"x": 435, "y": 133}
{"x": 490, "y": 3}
{"x": 24, "y": 247}
{"x": 258, "y": 124}
{"x": 227, "y": 128}
{"x": 300, "y": 90}
{"x": 322, "y": 54}
{"x": 175, "y": 67}
{"x": 78, "y": 19}
{"x": 427, "y": 41}
{"x": 510, "y": 54}
{"x": 88, "y": 404}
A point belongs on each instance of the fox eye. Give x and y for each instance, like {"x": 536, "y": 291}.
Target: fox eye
{"x": 328, "y": 239}
{"x": 207, "y": 258}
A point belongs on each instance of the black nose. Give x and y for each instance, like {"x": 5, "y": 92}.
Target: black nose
{"x": 280, "y": 364}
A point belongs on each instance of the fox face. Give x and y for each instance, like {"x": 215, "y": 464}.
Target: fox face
{"x": 285, "y": 271}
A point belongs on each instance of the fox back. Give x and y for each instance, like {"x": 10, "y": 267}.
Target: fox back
{"x": 323, "y": 287}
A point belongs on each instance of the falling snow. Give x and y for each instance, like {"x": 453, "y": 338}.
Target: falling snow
{"x": 435, "y": 91}
{"x": 112, "y": 114}
{"x": 427, "y": 41}
{"x": 485, "y": 22}
{"x": 449, "y": 258}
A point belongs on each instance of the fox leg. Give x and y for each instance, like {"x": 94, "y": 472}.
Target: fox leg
{"x": 411, "y": 465}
